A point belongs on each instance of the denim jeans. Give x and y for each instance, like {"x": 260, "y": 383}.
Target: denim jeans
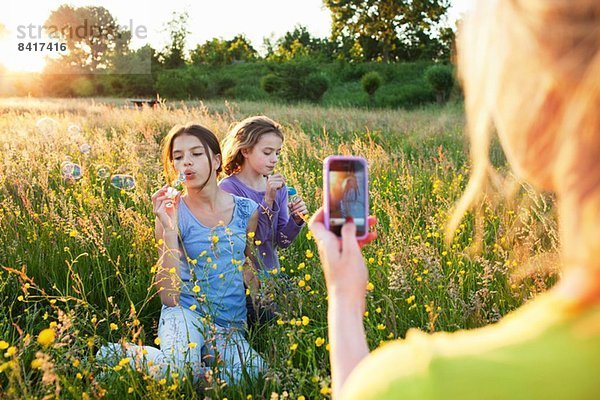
{"x": 189, "y": 343}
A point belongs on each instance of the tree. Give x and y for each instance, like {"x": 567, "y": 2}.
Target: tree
{"x": 174, "y": 54}
{"x": 91, "y": 34}
{"x": 387, "y": 30}
{"x": 220, "y": 52}
{"x": 370, "y": 82}
{"x": 441, "y": 80}
{"x": 297, "y": 43}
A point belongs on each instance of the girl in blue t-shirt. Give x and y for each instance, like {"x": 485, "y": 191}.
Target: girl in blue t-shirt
{"x": 203, "y": 266}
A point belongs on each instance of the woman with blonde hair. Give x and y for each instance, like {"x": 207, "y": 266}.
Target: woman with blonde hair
{"x": 531, "y": 68}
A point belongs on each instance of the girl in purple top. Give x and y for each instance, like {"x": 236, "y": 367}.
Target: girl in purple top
{"x": 250, "y": 153}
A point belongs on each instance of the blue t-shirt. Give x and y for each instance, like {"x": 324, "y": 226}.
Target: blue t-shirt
{"x": 212, "y": 264}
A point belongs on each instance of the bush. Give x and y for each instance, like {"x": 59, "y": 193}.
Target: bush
{"x": 181, "y": 84}
{"x": 407, "y": 96}
{"x": 371, "y": 81}
{"x": 315, "y": 87}
{"x": 441, "y": 80}
{"x": 82, "y": 87}
{"x": 296, "y": 80}
{"x": 223, "y": 86}
{"x": 270, "y": 83}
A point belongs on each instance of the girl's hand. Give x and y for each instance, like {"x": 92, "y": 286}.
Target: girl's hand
{"x": 165, "y": 208}
{"x": 298, "y": 209}
{"x": 345, "y": 271}
{"x": 274, "y": 183}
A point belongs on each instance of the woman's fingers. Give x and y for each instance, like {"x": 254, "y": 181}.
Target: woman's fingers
{"x": 326, "y": 240}
{"x": 370, "y": 237}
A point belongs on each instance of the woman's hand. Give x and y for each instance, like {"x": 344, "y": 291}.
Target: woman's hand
{"x": 298, "y": 210}
{"x": 345, "y": 271}
{"x": 165, "y": 208}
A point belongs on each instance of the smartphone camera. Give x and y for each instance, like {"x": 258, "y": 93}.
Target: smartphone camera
{"x": 346, "y": 193}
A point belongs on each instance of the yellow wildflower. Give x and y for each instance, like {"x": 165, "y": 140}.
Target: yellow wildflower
{"x": 370, "y": 287}
{"x": 113, "y": 326}
{"x": 294, "y": 346}
{"x": 46, "y": 337}
{"x": 319, "y": 342}
{"x": 196, "y": 289}
{"x": 3, "y": 345}
{"x": 309, "y": 254}
{"x": 305, "y": 320}
{"x": 251, "y": 235}
{"x": 157, "y": 341}
{"x": 124, "y": 361}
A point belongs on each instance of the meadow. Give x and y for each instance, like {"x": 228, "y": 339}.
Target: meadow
{"x": 77, "y": 255}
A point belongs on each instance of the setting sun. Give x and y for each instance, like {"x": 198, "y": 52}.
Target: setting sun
{"x": 19, "y": 61}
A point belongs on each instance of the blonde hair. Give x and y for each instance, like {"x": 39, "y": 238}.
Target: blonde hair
{"x": 532, "y": 69}
{"x": 244, "y": 135}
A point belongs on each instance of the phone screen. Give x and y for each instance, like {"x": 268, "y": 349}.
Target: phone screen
{"x": 347, "y": 197}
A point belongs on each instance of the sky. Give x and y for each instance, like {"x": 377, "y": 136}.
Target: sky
{"x": 207, "y": 19}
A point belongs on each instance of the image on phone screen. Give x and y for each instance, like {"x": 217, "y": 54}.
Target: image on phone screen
{"x": 347, "y": 195}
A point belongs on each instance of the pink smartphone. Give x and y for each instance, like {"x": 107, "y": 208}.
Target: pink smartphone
{"x": 346, "y": 193}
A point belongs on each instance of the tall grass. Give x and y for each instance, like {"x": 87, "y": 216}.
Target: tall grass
{"x": 78, "y": 256}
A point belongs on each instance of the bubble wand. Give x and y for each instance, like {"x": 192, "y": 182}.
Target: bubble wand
{"x": 175, "y": 188}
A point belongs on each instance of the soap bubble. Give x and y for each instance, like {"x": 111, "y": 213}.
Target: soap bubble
{"x": 103, "y": 172}
{"x": 46, "y": 125}
{"x": 178, "y": 183}
{"x": 74, "y": 129}
{"x": 71, "y": 170}
{"x": 85, "y": 148}
{"x": 121, "y": 181}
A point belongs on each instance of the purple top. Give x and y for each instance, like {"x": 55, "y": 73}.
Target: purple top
{"x": 275, "y": 226}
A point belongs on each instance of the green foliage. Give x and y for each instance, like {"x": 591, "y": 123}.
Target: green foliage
{"x": 406, "y": 96}
{"x": 221, "y": 52}
{"x": 315, "y": 86}
{"x": 371, "y": 81}
{"x": 299, "y": 43}
{"x": 388, "y": 30}
{"x": 173, "y": 55}
{"x": 441, "y": 80}
{"x": 182, "y": 84}
{"x": 270, "y": 83}
{"x": 296, "y": 80}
